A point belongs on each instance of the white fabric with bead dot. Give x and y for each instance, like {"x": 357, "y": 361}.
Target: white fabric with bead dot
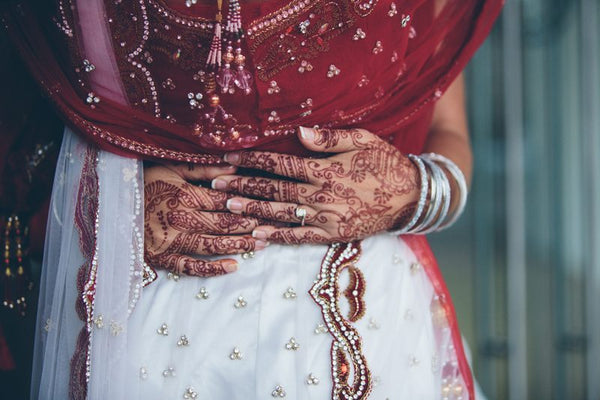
{"x": 276, "y": 335}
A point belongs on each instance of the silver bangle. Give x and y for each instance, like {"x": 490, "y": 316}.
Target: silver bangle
{"x": 446, "y": 196}
{"x": 422, "y": 197}
{"x": 435, "y": 199}
{"x": 459, "y": 177}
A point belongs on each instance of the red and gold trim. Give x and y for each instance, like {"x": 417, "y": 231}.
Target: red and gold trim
{"x": 86, "y": 215}
{"x": 350, "y": 372}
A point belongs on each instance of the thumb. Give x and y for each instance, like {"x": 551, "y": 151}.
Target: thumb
{"x": 335, "y": 140}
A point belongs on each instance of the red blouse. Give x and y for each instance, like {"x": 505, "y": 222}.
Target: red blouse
{"x": 374, "y": 64}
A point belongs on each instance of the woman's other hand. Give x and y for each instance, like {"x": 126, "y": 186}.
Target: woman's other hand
{"x": 183, "y": 220}
{"x": 364, "y": 187}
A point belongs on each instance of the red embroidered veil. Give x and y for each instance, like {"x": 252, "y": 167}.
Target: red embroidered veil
{"x": 388, "y": 79}
{"x": 373, "y": 64}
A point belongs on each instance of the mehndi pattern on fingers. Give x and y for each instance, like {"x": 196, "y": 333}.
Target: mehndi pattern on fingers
{"x": 366, "y": 187}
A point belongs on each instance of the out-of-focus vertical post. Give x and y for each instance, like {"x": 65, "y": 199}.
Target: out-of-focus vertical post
{"x": 590, "y": 122}
{"x": 515, "y": 201}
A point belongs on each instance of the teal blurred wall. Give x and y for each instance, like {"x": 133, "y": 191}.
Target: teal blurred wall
{"x": 526, "y": 277}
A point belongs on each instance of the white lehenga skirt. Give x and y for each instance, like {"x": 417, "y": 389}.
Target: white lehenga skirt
{"x": 243, "y": 335}
{"x": 294, "y": 322}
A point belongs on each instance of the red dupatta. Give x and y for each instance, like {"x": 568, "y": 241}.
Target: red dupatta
{"x": 394, "y": 60}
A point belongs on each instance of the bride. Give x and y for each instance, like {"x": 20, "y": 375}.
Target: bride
{"x": 242, "y": 194}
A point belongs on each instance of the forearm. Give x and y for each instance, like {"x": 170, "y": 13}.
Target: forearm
{"x": 449, "y": 135}
{"x": 457, "y": 148}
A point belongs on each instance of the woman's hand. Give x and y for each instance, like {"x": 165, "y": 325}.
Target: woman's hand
{"x": 182, "y": 219}
{"x": 366, "y": 186}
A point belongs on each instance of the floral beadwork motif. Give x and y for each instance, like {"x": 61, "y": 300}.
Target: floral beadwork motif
{"x": 346, "y": 350}
{"x": 299, "y": 36}
{"x": 364, "y": 7}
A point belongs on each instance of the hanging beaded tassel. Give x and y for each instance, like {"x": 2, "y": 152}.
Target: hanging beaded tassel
{"x": 243, "y": 78}
{"x": 227, "y": 78}
{"x": 214, "y": 56}
{"x": 17, "y": 283}
{"x": 8, "y": 275}
{"x": 221, "y": 75}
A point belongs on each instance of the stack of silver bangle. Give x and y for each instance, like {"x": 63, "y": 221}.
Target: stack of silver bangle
{"x": 432, "y": 213}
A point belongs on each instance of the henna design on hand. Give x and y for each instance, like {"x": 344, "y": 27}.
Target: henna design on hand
{"x": 299, "y": 236}
{"x": 329, "y": 139}
{"x": 181, "y": 264}
{"x": 264, "y": 188}
{"x": 210, "y": 223}
{"x": 275, "y": 163}
{"x": 184, "y": 195}
{"x": 181, "y": 219}
{"x": 266, "y": 210}
{"x": 365, "y": 187}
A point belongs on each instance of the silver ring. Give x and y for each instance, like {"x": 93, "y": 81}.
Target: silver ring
{"x": 300, "y": 214}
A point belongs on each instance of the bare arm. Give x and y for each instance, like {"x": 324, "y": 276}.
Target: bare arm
{"x": 449, "y": 132}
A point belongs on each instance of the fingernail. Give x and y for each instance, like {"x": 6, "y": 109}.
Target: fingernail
{"x": 307, "y": 133}
{"x": 233, "y": 205}
{"x": 230, "y": 266}
{"x": 258, "y": 234}
{"x": 260, "y": 244}
{"x": 232, "y": 158}
{"x": 218, "y": 184}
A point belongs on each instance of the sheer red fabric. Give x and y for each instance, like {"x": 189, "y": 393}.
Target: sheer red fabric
{"x": 393, "y": 60}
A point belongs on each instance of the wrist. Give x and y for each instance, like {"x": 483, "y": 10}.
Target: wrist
{"x": 442, "y": 197}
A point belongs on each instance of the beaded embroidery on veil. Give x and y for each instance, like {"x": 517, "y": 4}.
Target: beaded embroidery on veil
{"x": 104, "y": 258}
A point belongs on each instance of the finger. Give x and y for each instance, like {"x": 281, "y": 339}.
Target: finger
{"x": 274, "y": 211}
{"x": 186, "y": 265}
{"x": 300, "y": 235}
{"x": 200, "y": 244}
{"x": 194, "y": 172}
{"x": 213, "y": 223}
{"x": 203, "y": 199}
{"x": 279, "y": 164}
{"x": 182, "y": 195}
{"x": 263, "y": 188}
{"x": 335, "y": 140}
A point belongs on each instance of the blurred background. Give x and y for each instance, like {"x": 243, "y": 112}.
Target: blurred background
{"x": 526, "y": 280}
{"x": 523, "y": 264}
